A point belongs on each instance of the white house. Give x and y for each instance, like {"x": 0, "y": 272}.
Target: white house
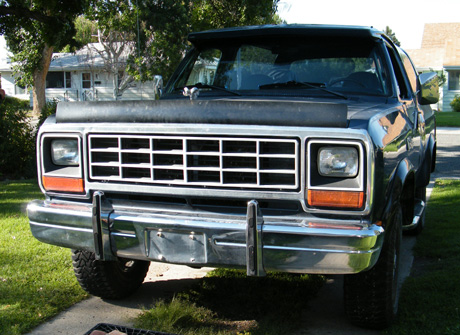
{"x": 76, "y": 76}
{"x": 440, "y": 51}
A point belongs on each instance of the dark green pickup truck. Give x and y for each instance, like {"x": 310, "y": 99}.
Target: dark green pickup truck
{"x": 294, "y": 148}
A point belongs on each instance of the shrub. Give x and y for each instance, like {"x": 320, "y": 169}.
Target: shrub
{"x": 455, "y": 104}
{"x": 17, "y": 140}
{"x": 48, "y": 110}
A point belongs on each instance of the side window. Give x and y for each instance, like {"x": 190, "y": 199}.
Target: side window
{"x": 204, "y": 69}
{"x": 411, "y": 74}
{"x": 403, "y": 90}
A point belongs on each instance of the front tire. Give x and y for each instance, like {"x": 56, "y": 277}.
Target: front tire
{"x": 108, "y": 279}
{"x": 371, "y": 297}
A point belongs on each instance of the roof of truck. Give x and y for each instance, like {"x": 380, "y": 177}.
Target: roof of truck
{"x": 311, "y": 30}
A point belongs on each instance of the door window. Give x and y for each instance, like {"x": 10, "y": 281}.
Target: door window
{"x": 86, "y": 81}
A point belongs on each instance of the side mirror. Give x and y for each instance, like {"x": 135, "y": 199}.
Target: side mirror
{"x": 429, "y": 88}
{"x": 158, "y": 86}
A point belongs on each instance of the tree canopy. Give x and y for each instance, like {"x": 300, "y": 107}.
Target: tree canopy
{"x": 392, "y": 36}
{"x": 212, "y": 14}
{"x": 33, "y": 29}
{"x": 153, "y": 32}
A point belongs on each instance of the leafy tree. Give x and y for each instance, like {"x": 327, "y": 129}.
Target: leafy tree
{"x": 211, "y": 14}
{"x": 144, "y": 38}
{"x": 392, "y": 36}
{"x": 138, "y": 39}
{"x": 33, "y": 30}
{"x": 86, "y": 32}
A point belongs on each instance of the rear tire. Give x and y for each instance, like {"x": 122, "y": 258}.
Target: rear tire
{"x": 108, "y": 279}
{"x": 371, "y": 297}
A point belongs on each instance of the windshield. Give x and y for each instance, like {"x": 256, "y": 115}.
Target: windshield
{"x": 268, "y": 68}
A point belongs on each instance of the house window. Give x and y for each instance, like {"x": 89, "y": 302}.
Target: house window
{"x": 58, "y": 80}
{"x": 20, "y": 89}
{"x": 454, "y": 84}
{"x": 86, "y": 80}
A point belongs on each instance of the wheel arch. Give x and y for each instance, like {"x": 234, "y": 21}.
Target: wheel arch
{"x": 401, "y": 192}
{"x": 431, "y": 151}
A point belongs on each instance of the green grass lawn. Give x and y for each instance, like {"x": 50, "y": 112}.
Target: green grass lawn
{"x": 37, "y": 282}
{"x": 36, "y": 279}
{"x": 448, "y": 119}
{"x": 430, "y": 299}
{"x": 228, "y": 302}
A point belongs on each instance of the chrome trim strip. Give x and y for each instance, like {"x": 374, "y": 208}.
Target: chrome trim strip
{"x": 335, "y": 142}
{"x": 332, "y": 251}
{"x": 123, "y": 234}
{"x": 285, "y": 248}
{"x": 54, "y": 226}
{"x": 195, "y": 161}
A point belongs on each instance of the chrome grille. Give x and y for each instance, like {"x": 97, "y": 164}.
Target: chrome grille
{"x": 196, "y": 161}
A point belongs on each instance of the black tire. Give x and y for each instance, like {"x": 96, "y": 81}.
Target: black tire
{"x": 371, "y": 297}
{"x": 108, "y": 279}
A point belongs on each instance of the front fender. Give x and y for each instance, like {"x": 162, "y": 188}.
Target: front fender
{"x": 400, "y": 190}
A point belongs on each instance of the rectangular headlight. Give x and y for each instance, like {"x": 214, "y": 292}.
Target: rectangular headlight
{"x": 64, "y": 152}
{"x": 338, "y": 161}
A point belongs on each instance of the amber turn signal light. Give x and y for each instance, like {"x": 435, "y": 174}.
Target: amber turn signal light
{"x": 61, "y": 184}
{"x": 336, "y": 199}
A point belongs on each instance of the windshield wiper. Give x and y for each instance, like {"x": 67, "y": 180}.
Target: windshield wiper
{"x": 296, "y": 84}
{"x": 212, "y": 87}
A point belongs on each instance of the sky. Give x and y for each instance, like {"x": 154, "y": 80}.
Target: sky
{"x": 406, "y": 18}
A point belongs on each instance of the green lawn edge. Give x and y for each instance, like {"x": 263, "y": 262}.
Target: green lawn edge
{"x": 448, "y": 119}
{"x": 430, "y": 297}
{"x": 36, "y": 279}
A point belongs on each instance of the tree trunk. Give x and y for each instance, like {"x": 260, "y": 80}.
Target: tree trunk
{"x": 115, "y": 86}
{"x": 39, "y": 97}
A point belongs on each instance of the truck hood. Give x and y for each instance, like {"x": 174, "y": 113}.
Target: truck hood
{"x": 247, "y": 112}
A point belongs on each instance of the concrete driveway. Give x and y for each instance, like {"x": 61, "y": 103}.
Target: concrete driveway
{"x": 448, "y": 153}
{"x": 325, "y": 315}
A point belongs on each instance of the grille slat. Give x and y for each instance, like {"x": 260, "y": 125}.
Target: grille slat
{"x": 257, "y": 163}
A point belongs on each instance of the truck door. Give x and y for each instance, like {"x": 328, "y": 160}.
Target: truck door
{"x": 407, "y": 85}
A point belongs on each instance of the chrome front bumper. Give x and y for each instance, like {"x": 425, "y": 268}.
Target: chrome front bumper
{"x": 201, "y": 238}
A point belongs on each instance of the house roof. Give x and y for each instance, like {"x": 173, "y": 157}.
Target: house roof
{"x": 435, "y": 35}
{"x": 440, "y": 46}
{"x": 83, "y": 59}
{"x": 86, "y": 58}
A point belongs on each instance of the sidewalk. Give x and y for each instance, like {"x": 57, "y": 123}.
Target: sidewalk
{"x": 162, "y": 281}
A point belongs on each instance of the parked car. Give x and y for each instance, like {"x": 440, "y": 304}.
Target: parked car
{"x": 294, "y": 148}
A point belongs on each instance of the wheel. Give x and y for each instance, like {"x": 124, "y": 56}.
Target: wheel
{"x": 371, "y": 297}
{"x": 108, "y": 279}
